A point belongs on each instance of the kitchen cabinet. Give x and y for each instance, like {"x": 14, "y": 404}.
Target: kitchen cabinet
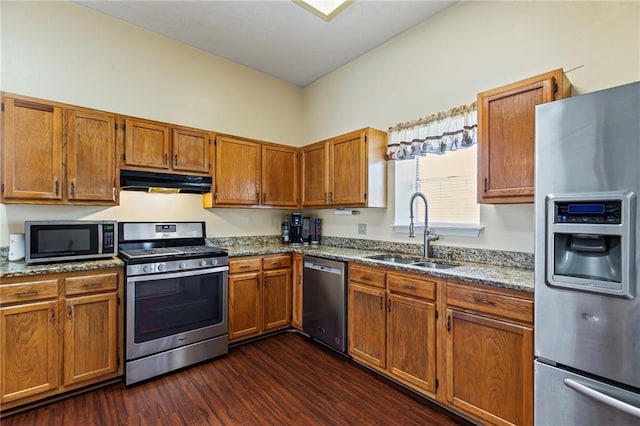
{"x": 506, "y": 136}
{"x": 297, "y": 271}
{"x": 392, "y": 325}
{"x": 254, "y": 173}
{"x": 259, "y": 295}
{"x": 165, "y": 148}
{"x": 348, "y": 170}
{"x": 46, "y": 351}
{"x": 489, "y": 354}
{"x": 72, "y": 148}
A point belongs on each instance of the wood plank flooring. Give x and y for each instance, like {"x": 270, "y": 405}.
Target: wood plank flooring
{"x": 282, "y": 380}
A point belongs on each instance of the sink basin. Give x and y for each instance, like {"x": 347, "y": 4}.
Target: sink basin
{"x": 391, "y": 258}
{"x": 434, "y": 265}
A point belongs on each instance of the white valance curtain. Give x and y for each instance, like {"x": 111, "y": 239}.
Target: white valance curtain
{"x": 434, "y": 134}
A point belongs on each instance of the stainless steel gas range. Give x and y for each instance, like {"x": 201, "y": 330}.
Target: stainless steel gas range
{"x": 176, "y": 297}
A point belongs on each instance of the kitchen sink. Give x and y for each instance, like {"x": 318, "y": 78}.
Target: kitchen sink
{"x": 412, "y": 261}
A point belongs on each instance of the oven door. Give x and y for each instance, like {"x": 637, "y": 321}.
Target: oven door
{"x": 166, "y": 311}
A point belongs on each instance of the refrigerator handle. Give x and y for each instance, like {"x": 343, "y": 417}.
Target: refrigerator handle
{"x": 603, "y": 398}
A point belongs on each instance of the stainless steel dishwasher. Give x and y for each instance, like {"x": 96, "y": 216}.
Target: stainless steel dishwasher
{"x": 324, "y": 301}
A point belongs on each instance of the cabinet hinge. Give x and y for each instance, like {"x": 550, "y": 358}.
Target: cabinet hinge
{"x": 115, "y": 125}
{"x": 118, "y": 363}
{"x": 555, "y": 87}
{"x": 2, "y": 106}
{"x": 437, "y": 383}
{"x": 215, "y": 196}
{"x": 437, "y": 314}
{"x": 2, "y": 188}
{"x": 118, "y": 300}
{"x": 124, "y": 157}
{"x": 124, "y": 127}
{"x": 449, "y": 323}
{"x": 365, "y": 195}
{"x": 365, "y": 139}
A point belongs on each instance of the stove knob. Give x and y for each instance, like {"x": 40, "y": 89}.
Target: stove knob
{"x": 146, "y": 268}
{"x": 182, "y": 265}
{"x": 214, "y": 262}
{"x": 162, "y": 267}
{"x": 203, "y": 263}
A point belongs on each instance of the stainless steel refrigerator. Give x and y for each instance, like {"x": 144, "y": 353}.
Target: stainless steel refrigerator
{"x": 587, "y": 249}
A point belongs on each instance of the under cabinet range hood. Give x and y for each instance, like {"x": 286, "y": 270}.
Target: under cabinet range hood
{"x": 166, "y": 183}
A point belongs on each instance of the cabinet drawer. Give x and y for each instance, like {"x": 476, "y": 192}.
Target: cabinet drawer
{"x": 277, "y": 262}
{"x": 28, "y": 291}
{"x": 240, "y": 264}
{"x": 491, "y": 303}
{"x": 90, "y": 283}
{"x": 412, "y": 286}
{"x": 367, "y": 276}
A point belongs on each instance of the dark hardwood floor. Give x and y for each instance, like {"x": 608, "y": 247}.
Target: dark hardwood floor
{"x": 282, "y": 380}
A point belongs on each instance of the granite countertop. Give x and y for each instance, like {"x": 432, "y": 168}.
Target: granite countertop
{"x": 22, "y": 269}
{"x": 473, "y": 272}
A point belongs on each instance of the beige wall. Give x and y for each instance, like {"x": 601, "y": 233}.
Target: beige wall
{"x": 65, "y": 52}
{"x": 447, "y": 60}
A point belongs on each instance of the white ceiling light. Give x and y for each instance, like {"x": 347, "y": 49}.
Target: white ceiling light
{"x": 325, "y": 9}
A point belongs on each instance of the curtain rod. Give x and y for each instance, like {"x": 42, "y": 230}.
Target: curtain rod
{"x": 459, "y": 110}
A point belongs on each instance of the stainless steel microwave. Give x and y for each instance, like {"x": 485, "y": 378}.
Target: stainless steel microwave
{"x": 56, "y": 241}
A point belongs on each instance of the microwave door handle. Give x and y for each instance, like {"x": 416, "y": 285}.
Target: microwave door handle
{"x": 603, "y": 398}
{"x": 99, "y": 238}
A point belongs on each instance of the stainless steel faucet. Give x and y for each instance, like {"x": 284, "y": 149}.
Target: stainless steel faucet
{"x": 428, "y": 236}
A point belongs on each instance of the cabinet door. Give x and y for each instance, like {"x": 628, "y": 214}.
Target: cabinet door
{"x": 31, "y": 151}
{"x": 91, "y": 144}
{"x": 367, "y": 324}
{"x": 237, "y": 179}
{"x": 90, "y": 333}
{"x": 411, "y": 337}
{"x": 29, "y": 345}
{"x": 315, "y": 175}
{"x": 191, "y": 150}
{"x": 348, "y": 170}
{"x": 297, "y": 291}
{"x": 506, "y": 119}
{"x": 244, "y": 305}
{"x": 490, "y": 368}
{"x": 146, "y": 144}
{"x": 279, "y": 176}
{"x": 276, "y": 299}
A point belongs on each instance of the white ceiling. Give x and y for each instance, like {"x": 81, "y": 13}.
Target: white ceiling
{"x": 276, "y": 37}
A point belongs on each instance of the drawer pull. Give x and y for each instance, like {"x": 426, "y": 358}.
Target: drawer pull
{"x": 91, "y": 285}
{"x": 365, "y": 278}
{"x": 245, "y": 266}
{"x": 484, "y": 301}
{"x": 409, "y": 287}
{"x": 27, "y": 293}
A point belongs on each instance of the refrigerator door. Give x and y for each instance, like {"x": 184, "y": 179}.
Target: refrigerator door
{"x": 588, "y": 144}
{"x": 564, "y": 398}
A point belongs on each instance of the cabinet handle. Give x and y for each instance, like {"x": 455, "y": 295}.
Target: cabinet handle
{"x": 69, "y": 312}
{"x": 380, "y": 302}
{"x": 73, "y": 188}
{"x": 90, "y": 285}
{"x": 245, "y": 266}
{"x": 166, "y": 158}
{"x": 53, "y": 315}
{"x": 448, "y": 322}
{"x": 176, "y": 160}
{"x": 409, "y": 287}
{"x": 485, "y": 184}
{"x": 484, "y": 301}
{"x": 389, "y": 306}
{"x": 331, "y": 195}
{"x": 365, "y": 278}
{"x": 325, "y": 198}
{"x": 56, "y": 185}
{"x": 27, "y": 293}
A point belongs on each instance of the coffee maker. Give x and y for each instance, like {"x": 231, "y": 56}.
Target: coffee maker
{"x": 296, "y": 229}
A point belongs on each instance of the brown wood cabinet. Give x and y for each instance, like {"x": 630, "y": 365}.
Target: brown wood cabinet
{"x": 58, "y": 333}
{"x": 297, "y": 271}
{"x": 254, "y": 173}
{"x": 506, "y": 136}
{"x": 392, "y": 325}
{"x": 489, "y": 353}
{"x": 54, "y": 153}
{"x": 259, "y": 295}
{"x": 348, "y": 170}
{"x": 162, "y": 147}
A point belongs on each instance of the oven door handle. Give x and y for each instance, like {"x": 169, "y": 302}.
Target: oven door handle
{"x": 177, "y": 274}
{"x": 603, "y": 398}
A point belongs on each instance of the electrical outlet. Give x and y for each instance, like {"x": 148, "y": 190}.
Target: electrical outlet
{"x": 362, "y": 229}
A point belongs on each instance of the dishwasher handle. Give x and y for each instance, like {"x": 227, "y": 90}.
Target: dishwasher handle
{"x": 323, "y": 268}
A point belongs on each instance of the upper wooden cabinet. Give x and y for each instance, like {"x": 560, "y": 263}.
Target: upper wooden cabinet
{"x": 161, "y": 147}
{"x": 506, "y": 125}
{"x": 253, "y": 173}
{"x": 348, "y": 170}
{"x": 57, "y": 154}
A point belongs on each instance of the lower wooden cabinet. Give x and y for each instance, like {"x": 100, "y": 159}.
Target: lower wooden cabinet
{"x": 296, "y": 274}
{"x": 58, "y": 332}
{"x": 467, "y": 346}
{"x": 259, "y": 295}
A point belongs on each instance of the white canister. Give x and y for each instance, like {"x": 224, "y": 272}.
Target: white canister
{"x": 16, "y": 247}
